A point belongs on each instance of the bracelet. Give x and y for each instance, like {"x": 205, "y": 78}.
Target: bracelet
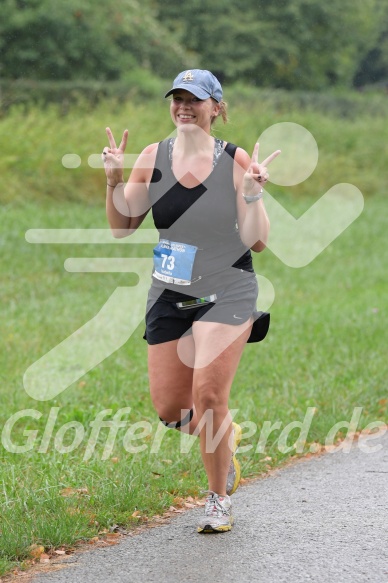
{"x": 254, "y": 197}
{"x": 111, "y": 185}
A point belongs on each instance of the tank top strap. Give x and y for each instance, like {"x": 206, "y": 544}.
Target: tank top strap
{"x": 161, "y": 161}
{"x": 231, "y": 149}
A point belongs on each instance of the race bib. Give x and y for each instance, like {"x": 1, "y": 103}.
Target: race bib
{"x": 173, "y": 262}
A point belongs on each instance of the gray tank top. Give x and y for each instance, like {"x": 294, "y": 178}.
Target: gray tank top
{"x": 204, "y": 216}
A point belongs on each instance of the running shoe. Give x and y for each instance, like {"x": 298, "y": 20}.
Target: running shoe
{"x": 234, "y": 473}
{"x": 218, "y": 514}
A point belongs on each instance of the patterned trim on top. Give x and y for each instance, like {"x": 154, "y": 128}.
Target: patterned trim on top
{"x": 218, "y": 149}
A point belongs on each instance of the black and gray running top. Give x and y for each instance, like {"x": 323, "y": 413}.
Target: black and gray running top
{"x": 204, "y": 216}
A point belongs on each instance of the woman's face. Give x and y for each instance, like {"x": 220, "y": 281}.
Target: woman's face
{"x": 188, "y": 110}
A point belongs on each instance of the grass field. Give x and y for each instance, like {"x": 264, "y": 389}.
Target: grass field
{"x": 325, "y": 349}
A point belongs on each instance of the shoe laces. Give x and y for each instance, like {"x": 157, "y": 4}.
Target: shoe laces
{"x": 213, "y": 506}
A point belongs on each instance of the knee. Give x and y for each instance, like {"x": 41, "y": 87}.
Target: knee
{"x": 162, "y": 404}
{"x": 161, "y": 407}
{"x": 184, "y": 419}
{"x": 169, "y": 413}
{"x": 208, "y": 397}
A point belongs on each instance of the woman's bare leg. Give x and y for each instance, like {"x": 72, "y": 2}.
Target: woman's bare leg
{"x": 171, "y": 381}
{"x": 211, "y": 388}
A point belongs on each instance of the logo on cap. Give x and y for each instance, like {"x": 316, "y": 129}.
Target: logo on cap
{"x": 188, "y": 76}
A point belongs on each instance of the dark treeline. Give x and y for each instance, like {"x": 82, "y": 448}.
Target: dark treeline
{"x": 303, "y": 44}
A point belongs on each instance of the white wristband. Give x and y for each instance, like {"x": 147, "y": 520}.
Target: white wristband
{"x": 253, "y": 197}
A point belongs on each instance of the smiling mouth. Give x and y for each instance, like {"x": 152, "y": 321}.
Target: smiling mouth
{"x": 185, "y": 117}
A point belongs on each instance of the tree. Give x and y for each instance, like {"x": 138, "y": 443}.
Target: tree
{"x": 373, "y": 68}
{"x": 295, "y": 44}
{"x": 83, "y": 39}
{"x": 289, "y": 43}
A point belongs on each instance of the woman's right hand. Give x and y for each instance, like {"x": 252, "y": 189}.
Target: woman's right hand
{"x": 113, "y": 158}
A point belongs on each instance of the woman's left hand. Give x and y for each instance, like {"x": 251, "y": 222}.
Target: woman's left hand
{"x": 257, "y": 175}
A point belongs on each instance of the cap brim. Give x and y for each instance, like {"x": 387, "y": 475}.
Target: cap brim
{"x": 197, "y": 91}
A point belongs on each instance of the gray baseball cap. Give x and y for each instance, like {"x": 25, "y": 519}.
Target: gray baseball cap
{"x": 201, "y": 83}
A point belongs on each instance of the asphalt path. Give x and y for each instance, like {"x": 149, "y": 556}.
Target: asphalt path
{"x": 323, "y": 520}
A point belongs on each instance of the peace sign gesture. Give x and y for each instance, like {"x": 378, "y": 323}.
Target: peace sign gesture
{"x": 113, "y": 158}
{"x": 256, "y": 175}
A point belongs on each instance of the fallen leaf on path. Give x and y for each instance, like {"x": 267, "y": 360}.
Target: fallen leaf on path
{"x": 315, "y": 447}
{"x": 112, "y": 536}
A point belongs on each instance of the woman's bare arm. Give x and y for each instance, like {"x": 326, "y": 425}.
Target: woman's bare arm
{"x": 127, "y": 204}
{"x": 252, "y": 218}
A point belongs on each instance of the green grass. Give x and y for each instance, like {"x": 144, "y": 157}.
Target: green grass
{"x": 325, "y": 348}
{"x": 351, "y": 149}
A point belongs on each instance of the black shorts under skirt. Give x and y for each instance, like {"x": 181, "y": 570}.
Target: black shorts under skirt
{"x": 234, "y": 305}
